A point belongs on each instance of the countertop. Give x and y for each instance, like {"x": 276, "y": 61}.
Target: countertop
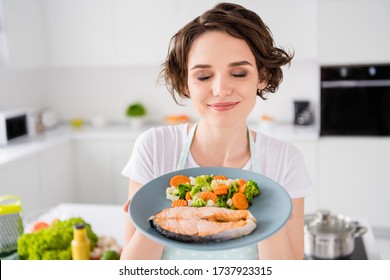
{"x": 100, "y": 216}
{"x": 25, "y": 146}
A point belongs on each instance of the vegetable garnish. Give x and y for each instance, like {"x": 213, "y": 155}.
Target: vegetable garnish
{"x": 52, "y": 242}
{"x": 209, "y": 190}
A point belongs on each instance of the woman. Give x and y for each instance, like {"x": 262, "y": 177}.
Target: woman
{"x": 222, "y": 61}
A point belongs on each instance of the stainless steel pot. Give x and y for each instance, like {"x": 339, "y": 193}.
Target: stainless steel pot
{"x": 330, "y": 236}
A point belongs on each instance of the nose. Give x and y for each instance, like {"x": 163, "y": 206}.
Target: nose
{"x": 221, "y": 86}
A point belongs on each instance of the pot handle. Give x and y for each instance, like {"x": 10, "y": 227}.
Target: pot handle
{"x": 359, "y": 231}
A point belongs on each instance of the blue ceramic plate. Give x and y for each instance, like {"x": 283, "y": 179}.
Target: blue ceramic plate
{"x": 272, "y": 208}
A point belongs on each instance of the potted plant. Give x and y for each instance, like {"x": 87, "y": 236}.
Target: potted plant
{"x": 136, "y": 113}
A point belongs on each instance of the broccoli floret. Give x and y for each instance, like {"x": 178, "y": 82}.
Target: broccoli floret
{"x": 199, "y": 202}
{"x": 194, "y": 190}
{"x": 52, "y": 243}
{"x": 221, "y": 201}
{"x": 204, "y": 181}
{"x": 183, "y": 189}
{"x": 232, "y": 190}
{"x": 251, "y": 190}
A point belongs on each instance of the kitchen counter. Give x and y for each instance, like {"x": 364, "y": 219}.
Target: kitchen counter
{"x": 30, "y": 145}
{"x": 105, "y": 219}
{"x": 109, "y": 220}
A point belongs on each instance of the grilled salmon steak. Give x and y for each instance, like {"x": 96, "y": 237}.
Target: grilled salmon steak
{"x": 203, "y": 225}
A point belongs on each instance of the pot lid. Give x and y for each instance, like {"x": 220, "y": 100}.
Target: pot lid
{"x": 323, "y": 223}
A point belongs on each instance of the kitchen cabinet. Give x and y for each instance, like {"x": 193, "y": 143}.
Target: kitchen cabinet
{"x": 354, "y": 31}
{"x": 99, "y": 164}
{"x": 142, "y": 30}
{"x": 79, "y": 32}
{"x": 121, "y": 32}
{"x": 41, "y": 179}
{"x": 21, "y": 178}
{"x": 23, "y": 34}
{"x": 56, "y": 171}
{"x": 354, "y": 177}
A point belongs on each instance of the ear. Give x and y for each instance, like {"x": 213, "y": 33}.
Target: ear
{"x": 263, "y": 79}
{"x": 187, "y": 92}
{"x": 262, "y": 84}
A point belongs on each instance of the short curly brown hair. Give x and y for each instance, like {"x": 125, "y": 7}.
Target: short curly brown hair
{"x": 238, "y": 22}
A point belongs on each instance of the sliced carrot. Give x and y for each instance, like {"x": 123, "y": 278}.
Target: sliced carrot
{"x": 209, "y": 195}
{"x": 188, "y": 196}
{"x": 179, "y": 179}
{"x": 239, "y": 201}
{"x": 240, "y": 182}
{"x": 220, "y": 177}
{"x": 241, "y": 189}
{"x": 221, "y": 189}
{"x": 241, "y": 185}
{"x": 179, "y": 202}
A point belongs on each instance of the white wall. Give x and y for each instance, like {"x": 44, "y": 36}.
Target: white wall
{"x": 21, "y": 89}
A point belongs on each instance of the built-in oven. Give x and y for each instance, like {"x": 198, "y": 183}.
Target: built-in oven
{"x": 355, "y": 100}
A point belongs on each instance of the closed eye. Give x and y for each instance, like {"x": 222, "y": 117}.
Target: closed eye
{"x": 239, "y": 75}
{"x": 203, "y": 78}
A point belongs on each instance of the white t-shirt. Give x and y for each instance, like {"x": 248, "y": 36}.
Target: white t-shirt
{"x": 157, "y": 152}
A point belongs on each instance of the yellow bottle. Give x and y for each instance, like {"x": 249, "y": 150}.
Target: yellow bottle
{"x": 80, "y": 243}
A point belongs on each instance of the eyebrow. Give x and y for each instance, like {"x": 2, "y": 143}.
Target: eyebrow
{"x": 233, "y": 64}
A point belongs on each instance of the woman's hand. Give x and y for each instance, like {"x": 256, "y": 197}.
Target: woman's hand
{"x": 288, "y": 242}
{"x": 137, "y": 246}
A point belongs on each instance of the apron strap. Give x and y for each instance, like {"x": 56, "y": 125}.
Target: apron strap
{"x": 254, "y": 158}
{"x": 186, "y": 150}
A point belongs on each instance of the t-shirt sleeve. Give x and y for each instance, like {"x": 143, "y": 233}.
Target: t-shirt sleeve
{"x": 139, "y": 168}
{"x": 296, "y": 178}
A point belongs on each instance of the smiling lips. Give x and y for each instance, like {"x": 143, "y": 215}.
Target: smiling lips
{"x": 223, "y": 106}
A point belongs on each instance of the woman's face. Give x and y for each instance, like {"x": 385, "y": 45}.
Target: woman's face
{"x": 222, "y": 78}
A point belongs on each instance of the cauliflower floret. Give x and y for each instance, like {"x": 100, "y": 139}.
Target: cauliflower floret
{"x": 229, "y": 202}
{"x": 171, "y": 193}
{"x": 210, "y": 203}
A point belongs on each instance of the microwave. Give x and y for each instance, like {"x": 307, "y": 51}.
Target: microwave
{"x": 15, "y": 124}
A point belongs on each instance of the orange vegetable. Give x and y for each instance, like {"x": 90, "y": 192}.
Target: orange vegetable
{"x": 39, "y": 225}
{"x": 221, "y": 189}
{"x": 209, "y": 195}
{"x": 220, "y": 177}
{"x": 179, "y": 202}
{"x": 179, "y": 179}
{"x": 241, "y": 185}
{"x": 188, "y": 196}
{"x": 239, "y": 201}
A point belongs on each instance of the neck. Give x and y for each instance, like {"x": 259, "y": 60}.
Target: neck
{"x": 216, "y": 146}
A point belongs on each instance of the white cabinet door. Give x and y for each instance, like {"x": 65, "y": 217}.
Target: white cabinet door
{"x": 23, "y": 33}
{"x": 355, "y": 179}
{"x": 56, "y": 174}
{"x": 21, "y": 178}
{"x": 93, "y": 171}
{"x": 142, "y": 31}
{"x": 294, "y": 24}
{"x": 79, "y": 32}
{"x": 121, "y": 152}
{"x": 99, "y": 165}
{"x": 352, "y": 32}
